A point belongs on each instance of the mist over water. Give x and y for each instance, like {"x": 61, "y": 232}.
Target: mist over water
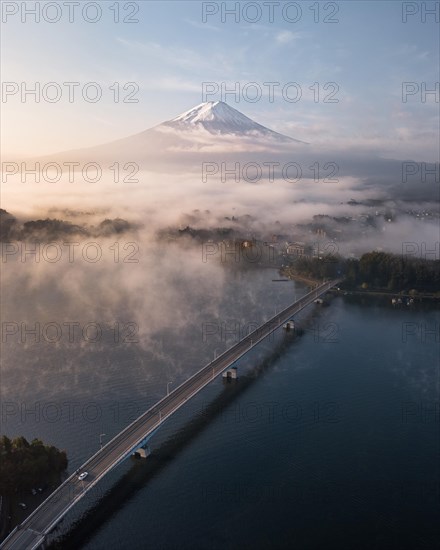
{"x": 230, "y": 197}
{"x": 336, "y": 428}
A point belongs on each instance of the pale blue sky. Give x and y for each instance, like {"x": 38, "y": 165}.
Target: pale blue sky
{"x": 171, "y": 52}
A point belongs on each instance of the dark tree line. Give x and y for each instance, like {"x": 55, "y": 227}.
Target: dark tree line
{"x": 49, "y": 230}
{"x": 25, "y": 465}
{"x": 374, "y": 270}
{"x": 393, "y": 272}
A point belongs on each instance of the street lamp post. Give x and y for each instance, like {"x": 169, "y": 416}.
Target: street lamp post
{"x": 100, "y": 439}
{"x": 168, "y": 386}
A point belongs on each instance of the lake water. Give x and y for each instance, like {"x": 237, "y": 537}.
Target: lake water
{"x": 327, "y": 440}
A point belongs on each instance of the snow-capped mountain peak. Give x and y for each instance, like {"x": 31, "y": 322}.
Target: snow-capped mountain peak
{"x": 217, "y": 117}
{"x": 212, "y": 111}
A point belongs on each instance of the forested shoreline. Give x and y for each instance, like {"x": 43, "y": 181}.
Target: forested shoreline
{"x": 373, "y": 271}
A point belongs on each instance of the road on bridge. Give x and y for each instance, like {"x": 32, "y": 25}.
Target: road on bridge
{"x": 31, "y": 533}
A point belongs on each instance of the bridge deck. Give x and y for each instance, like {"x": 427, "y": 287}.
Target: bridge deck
{"x": 31, "y": 533}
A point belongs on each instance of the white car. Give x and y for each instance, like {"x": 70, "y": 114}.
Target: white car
{"x": 83, "y": 476}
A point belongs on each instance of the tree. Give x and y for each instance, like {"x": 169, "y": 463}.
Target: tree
{"x": 5, "y": 444}
{"x": 24, "y": 465}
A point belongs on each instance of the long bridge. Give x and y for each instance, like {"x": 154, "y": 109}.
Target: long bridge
{"x": 32, "y": 532}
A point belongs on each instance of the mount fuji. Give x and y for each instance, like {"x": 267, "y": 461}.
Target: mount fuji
{"x": 210, "y": 128}
{"x": 218, "y": 118}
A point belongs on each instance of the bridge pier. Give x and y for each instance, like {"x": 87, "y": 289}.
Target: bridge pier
{"x": 230, "y": 374}
{"x": 142, "y": 452}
